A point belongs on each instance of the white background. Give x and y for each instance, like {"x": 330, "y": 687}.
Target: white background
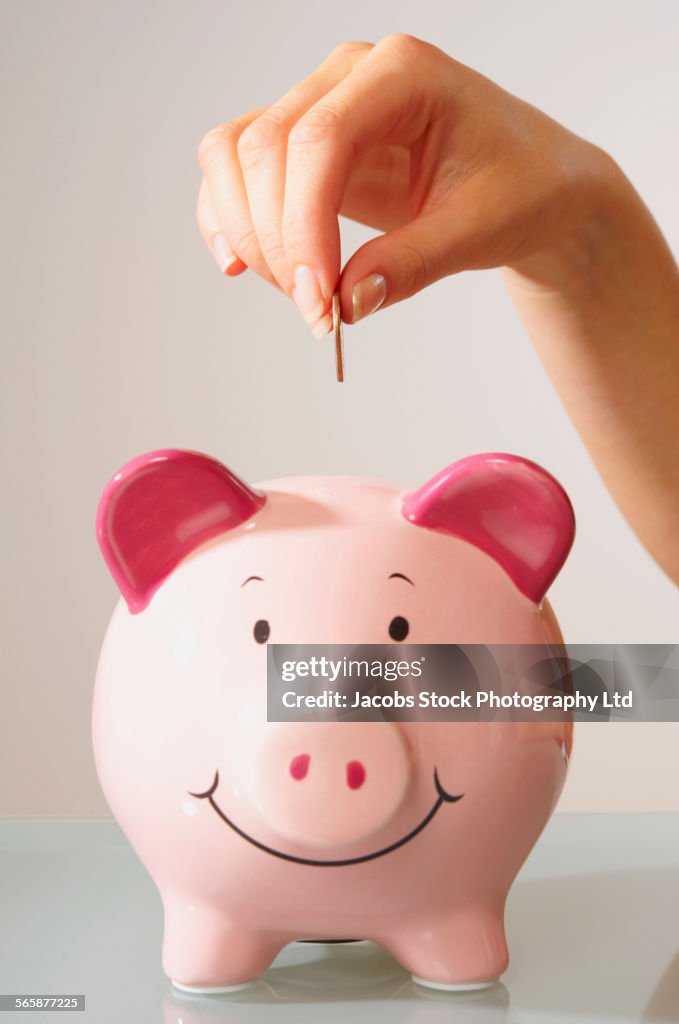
{"x": 120, "y": 335}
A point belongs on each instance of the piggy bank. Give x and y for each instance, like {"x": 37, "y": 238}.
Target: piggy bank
{"x": 260, "y": 833}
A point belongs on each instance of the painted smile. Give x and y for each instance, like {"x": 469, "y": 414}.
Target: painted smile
{"x": 442, "y": 797}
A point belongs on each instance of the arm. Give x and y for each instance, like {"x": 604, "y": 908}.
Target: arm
{"x": 459, "y": 175}
{"x": 602, "y": 309}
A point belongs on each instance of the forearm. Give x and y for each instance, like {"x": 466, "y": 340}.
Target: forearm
{"x": 602, "y": 309}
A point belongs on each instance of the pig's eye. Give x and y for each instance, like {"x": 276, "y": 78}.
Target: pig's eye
{"x": 261, "y": 631}
{"x": 398, "y": 628}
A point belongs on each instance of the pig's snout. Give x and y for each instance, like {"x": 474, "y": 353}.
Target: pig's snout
{"x": 330, "y": 784}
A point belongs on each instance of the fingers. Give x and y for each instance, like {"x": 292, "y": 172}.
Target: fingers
{"x": 468, "y": 228}
{"x": 244, "y": 166}
{"x": 277, "y": 178}
{"x": 208, "y": 225}
{"x": 395, "y": 266}
{"x": 262, "y": 150}
{"x": 387, "y": 99}
{"x": 218, "y": 159}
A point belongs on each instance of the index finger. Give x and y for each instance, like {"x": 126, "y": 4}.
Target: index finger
{"x": 379, "y": 102}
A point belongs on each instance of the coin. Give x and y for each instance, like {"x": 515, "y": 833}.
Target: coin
{"x": 339, "y": 342}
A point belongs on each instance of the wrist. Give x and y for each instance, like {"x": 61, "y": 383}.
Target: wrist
{"x": 603, "y": 216}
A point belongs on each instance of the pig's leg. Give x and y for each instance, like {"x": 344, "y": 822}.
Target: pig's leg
{"x": 202, "y": 949}
{"x": 464, "y": 949}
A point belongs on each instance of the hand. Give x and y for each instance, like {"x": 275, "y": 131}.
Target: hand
{"x": 457, "y": 172}
{"x": 461, "y": 175}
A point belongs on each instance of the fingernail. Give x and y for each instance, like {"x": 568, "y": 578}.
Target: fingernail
{"x": 322, "y": 327}
{"x": 367, "y": 296}
{"x": 224, "y": 255}
{"x": 308, "y": 295}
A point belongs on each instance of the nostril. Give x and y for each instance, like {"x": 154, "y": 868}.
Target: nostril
{"x": 299, "y": 766}
{"x": 355, "y": 775}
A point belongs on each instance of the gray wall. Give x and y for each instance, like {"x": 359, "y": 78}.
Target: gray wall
{"x": 119, "y": 334}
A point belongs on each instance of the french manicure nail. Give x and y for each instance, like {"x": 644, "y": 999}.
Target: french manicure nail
{"x": 308, "y": 295}
{"x": 322, "y": 328}
{"x": 224, "y": 255}
{"x": 367, "y": 296}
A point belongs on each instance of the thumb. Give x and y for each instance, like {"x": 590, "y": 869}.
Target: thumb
{"x": 396, "y": 265}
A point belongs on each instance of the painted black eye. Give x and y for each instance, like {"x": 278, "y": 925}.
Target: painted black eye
{"x": 261, "y": 631}
{"x": 398, "y": 628}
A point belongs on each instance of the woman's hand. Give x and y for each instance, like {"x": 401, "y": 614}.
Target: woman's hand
{"x": 461, "y": 175}
{"x": 456, "y": 171}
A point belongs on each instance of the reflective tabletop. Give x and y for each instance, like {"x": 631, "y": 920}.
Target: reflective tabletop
{"x": 592, "y": 925}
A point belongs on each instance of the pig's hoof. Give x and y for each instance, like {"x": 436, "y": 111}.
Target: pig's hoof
{"x": 447, "y": 986}
{"x": 219, "y": 990}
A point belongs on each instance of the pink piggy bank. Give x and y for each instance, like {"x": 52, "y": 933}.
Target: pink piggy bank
{"x": 258, "y": 834}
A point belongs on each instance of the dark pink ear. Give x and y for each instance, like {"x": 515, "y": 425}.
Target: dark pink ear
{"x": 158, "y": 508}
{"x": 506, "y": 506}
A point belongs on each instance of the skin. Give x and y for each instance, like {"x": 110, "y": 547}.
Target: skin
{"x": 458, "y": 174}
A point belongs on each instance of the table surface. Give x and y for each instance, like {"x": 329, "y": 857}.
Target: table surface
{"x": 592, "y": 924}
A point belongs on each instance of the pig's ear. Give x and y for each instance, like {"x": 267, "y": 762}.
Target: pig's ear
{"x": 506, "y": 506}
{"x": 158, "y": 508}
